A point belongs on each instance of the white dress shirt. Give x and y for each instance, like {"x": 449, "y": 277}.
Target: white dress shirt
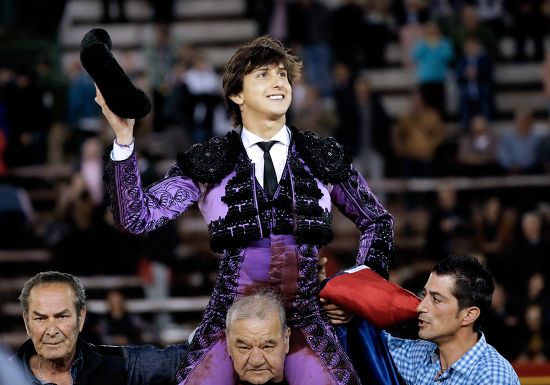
{"x": 278, "y": 151}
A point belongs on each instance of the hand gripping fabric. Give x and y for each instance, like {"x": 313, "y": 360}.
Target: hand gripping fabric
{"x": 366, "y": 294}
{"x": 121, "y": 96}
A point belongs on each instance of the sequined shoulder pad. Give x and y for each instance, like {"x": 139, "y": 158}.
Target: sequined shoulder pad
{"x": 211, "y": 161}
{"x": 324, "y": 156}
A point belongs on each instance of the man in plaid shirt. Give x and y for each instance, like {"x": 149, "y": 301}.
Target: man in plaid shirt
{"x": 451, "y": 348}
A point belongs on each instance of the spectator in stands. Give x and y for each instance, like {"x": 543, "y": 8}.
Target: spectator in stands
{"x": 54, "y": 313}
{"x": 432, "y": 55}
{"x": 261, "y": 11}
{"x": 314, "y": 113}
{"x": 343, "y": 78}
{"x": 528, "y": 24}
{"x": 370, "y": 135}
{"x": 416, "y": 137}
{"x": 535, "y": 336}
{"x": 503, "y": 320}
{"x": 309, "y": 33}
{"x": 546, "y": 82}
{"x": 410, "y": 16}
{"x": 121, "y": 12}
{"x": 161, "y": 56}
{"x": 543, "y": 154}
{"x": 16, "y": 219}
{"x": 475, "y": 82}
{"x": 492, "y": 14}
{"x": 347, "y": 39}
{"x": 477, "y": 149}
{"x": 3, "y": 146}
{"x": 202, "y": 83}
{"x": 91, "y": 169}
{"x": 163, "y": 11}
{"x": 529, "y": 252}
{"x": 469, "y": 25}
{"x": 118, "y": 326}
{"x": 27, "y": 119}
{"x": 517, "y": 150}
{"x": 493, "y": 227}
{"x": 258, "y": 338}
{"x": 84, "y": 120}
{"x": 447, "y": 225}
{"x": 377, "y": 21}
{"x": 83, "y": 229}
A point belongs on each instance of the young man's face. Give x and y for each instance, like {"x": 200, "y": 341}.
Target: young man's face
{"x": 52, "y": 321}
{"x": 258, "y": 349}
{"x": 438, "y": 316}
{"x": 265, "y": 97}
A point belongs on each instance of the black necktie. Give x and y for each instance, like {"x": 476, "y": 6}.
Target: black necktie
{"x": 270, "y": 177}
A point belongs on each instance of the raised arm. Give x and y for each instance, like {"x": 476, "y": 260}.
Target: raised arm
{"x": 135, "y": 209}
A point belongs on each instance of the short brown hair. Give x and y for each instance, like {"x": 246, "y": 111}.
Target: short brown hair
{"x": 261, "y": 51}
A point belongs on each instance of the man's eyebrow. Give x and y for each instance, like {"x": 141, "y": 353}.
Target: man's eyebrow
{"x": 436, "y": 293}
{"x": 62, "y": 312}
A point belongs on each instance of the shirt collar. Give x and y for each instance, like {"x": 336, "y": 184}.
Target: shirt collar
{"x": 249, "y": 139}
{"x": 76, "y": 365}
{"x": 465, "y": 363}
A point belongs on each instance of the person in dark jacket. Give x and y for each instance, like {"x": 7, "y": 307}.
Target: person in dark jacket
{"x": 54, "y": 312}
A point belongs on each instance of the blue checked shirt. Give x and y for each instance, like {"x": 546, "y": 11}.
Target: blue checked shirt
{"x": 417, "y": 361}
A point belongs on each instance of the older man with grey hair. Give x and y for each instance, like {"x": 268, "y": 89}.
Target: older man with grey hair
{"x": 258, "y": 338}
{"x": 54, "y": 312}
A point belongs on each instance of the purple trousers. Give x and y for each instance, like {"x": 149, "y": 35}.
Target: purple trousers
{"x": 315, "y": 356}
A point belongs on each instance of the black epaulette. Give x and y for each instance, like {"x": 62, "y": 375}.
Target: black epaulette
{"x": 211, "y": 161}
{"x": 324, "y": 156}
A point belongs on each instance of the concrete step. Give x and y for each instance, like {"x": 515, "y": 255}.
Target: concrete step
{"x": 125, "y": 36}
{"x": 506, "y": 102}
{"x": 86, "y": 11}
{"x": 403, "y": 80}
{"x": 216, "y": 55}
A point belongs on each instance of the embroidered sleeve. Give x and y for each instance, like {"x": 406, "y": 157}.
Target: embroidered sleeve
{"x": 136, "y": 209}
{"x": 357, "y": 202}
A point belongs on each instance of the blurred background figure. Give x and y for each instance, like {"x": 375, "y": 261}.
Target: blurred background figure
{"x": 107, "y": 15}
{"x": 416, "y": 137}
{"x": 432, "y": 55}
{"x": 493, "y": 227}
{"x": 475, "y": 82}
{"x": 517, "y": 150}
{"x": 477, "y": 149}
{"x": 448, "y": 225}
{"x": 16, "y": 219}
{"x": 117, "y": 326}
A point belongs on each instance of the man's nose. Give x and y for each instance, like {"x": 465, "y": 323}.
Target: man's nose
{"x": 277, "y": 81}
{"x": 256, "y": 357}
{"x": 421, "y": 307}
{"x": 52, "y": 328}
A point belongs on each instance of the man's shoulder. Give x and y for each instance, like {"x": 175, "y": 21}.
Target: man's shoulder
{"x": 493, "y": 368}
{"x": 323, "y": 155}
{"x": 483, "y": 365}
{"x": 210, "y": 161}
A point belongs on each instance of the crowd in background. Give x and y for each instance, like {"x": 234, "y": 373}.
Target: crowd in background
{"x": 48, "y": 116}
